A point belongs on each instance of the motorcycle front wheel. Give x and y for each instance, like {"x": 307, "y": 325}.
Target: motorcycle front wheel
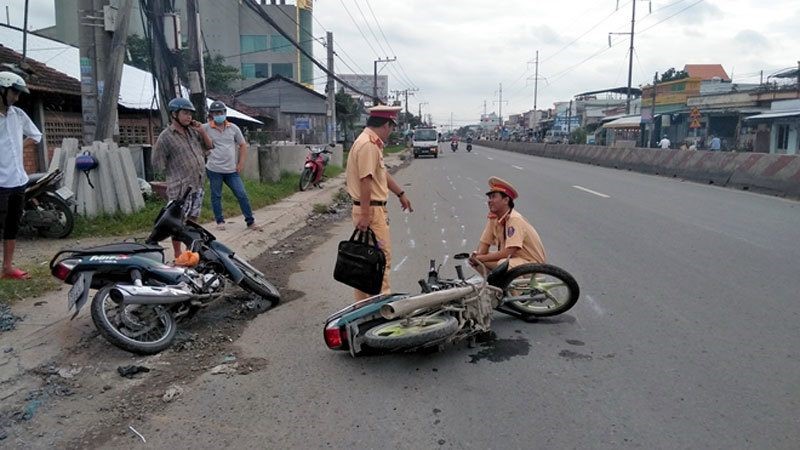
{"x": 407, "y": 333}
{"x": 306, "y": 178}
{"x": 255, "y": 282}
{"x": 141, "y": 329}
{"x": 63, "y": 219}
{"x": 540, "y": 290}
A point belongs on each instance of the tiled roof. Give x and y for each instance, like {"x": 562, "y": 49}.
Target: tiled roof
{"x": 706, "y": 71}
{"x": 41, "y": 77}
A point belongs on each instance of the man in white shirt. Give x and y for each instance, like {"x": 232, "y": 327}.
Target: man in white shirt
{"x": 664, "y": 143}
{"x": 14, "y": 124}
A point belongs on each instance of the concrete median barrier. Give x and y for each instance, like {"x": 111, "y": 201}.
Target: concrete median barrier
{"x": 775, "y": 174}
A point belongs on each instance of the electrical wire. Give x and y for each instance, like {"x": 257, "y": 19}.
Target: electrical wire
{"x": 399, "y": 63}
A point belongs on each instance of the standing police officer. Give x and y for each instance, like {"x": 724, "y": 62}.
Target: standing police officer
{"x": 368, "y": 183}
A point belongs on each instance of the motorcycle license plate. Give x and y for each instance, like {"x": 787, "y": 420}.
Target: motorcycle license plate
{"x": 76, "y": 292}
{"x": 65, "y": 193}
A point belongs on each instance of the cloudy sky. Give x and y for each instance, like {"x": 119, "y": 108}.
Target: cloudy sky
{"x": 458, "y": 52}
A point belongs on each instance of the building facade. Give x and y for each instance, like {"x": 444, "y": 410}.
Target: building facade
{"x": 230, "y": 29}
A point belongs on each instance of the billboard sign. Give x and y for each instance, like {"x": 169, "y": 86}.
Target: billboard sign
{"x": 364, "y": 83}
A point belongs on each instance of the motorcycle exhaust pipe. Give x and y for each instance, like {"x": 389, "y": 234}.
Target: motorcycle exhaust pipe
{"x": 148, "y": 295}
{"x": 401, "y": 308}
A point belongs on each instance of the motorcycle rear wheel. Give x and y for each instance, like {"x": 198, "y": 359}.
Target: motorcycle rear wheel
{"x": 407, "y": 333}
{"x": 255, "y": 283}
{"x": 140, "y": 329}
{"x": 306, "y": 178}
{"x": 550, "y": 289}
{"x": 66, "y": 219}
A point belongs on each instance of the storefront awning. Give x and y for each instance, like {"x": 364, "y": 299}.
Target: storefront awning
{"x": 625, "y": 122}
{"x": 775, "y": 115}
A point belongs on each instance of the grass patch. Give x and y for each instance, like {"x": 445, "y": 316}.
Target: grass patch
{"x": 260, "y": 194}
{"x": 394, "y": 149}
{"x": 41, "y": 282}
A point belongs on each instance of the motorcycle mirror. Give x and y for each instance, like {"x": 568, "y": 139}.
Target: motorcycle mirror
{"x": 461, "y": 256}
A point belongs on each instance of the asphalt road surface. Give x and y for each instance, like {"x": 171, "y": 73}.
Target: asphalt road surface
{"x": 685, "y": 336}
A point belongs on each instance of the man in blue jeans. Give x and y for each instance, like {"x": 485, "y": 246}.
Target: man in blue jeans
{"x": 223, "y": 166}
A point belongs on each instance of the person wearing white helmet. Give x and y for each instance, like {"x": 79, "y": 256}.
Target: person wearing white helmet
{"x": 17, "y": 131}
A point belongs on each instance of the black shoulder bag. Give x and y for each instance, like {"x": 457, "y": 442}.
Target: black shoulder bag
{"x": 360, "y": 263}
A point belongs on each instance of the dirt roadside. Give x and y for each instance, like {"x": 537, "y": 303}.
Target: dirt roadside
{"x": 59, "y": 384}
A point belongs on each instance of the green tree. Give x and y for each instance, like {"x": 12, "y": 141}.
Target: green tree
{"x": 138, "y": 52}
{"x": 348, "y": 111}
{"x": 220, "y": 75}
{"x": 671, "y": 74}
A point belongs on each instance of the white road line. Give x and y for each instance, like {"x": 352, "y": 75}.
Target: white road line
{"x": 397, "y": 267}
{"x": 591, "y": 191}
{"x": 463, "y": 242}
{"x": 412, "y": 244}
{"x": 490, "y": 158}
{"x": 594, "y": 305}
{"x": 518, "y": 167}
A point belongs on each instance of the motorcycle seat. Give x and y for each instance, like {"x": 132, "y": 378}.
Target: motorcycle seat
{"x": 35, "y": 177}
{"x": 497, "y": 273}
{"x": 121, "y": 247}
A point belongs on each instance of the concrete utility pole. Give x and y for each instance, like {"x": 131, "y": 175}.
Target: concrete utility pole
{"x": 569, "y": 121}
{"x": 162, "y": 67}
{"x": 196, "y": 73}
{"x": 420, "y": 110}
{"x": 500, "y": 101}
{"x": 630, "y": 59}
{"x": 375, "y": 74}
{"x": 91, "y": 65}
{"x": 107, "y": 125}
{"x": 330, "y": 92}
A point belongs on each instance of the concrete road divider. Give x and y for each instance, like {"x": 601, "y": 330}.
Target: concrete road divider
{"x": 774, "y": 174}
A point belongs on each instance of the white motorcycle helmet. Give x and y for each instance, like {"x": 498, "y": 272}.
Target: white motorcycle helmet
{"x": 10, "y": 80}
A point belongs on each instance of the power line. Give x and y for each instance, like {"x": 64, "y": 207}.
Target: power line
{"x": 399, "y": 63}
{"x": 263, "y": 14}
{"x": 366, "y": 22}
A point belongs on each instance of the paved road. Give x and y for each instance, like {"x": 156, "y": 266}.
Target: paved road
{"x": 686, "y": 334}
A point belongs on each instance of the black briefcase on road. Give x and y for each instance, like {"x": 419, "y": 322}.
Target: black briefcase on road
{"x": 360, "y": 263}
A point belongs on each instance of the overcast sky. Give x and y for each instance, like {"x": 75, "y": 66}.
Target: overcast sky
{"x": 458, "y": 52}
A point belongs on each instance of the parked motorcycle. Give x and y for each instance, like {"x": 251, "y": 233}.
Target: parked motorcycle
{"x": 450, "y": 310}
{"x": 314, "y": 167}
{"x": 139, "y": 299}
{"x": 48, "y": 210}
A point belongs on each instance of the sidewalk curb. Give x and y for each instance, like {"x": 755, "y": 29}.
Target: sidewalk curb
{"x": 47, "y": 328}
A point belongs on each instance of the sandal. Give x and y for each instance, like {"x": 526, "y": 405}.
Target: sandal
{"x": 16, "y": 274}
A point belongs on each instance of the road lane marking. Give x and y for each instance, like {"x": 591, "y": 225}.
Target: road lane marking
{"x": 412, "y": 244}
{"x": 517, "y": 167}
{"x": 490, "y": 158}
{"x": 581, "y": 188}
{"x": 397, "y": 267}
{"x": 463, "y": 242}
{"x": 594, "y": 305}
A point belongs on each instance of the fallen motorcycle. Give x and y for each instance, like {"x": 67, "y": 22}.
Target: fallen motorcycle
{"x": 450, "y": 310}
{"x": 48, "y": 210}
{"x": 139, "y": 299}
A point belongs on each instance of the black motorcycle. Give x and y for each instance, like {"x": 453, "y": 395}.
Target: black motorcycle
{"x": 139, "y": 299}
{"x": 48, "y": 210}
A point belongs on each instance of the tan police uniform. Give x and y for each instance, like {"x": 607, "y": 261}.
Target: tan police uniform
{"x": 512, "y": 230}
{"x": 365, "y": 159}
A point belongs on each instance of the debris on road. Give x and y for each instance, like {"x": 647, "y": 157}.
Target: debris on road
{"x": 69, "y": 372}
{"x": 172, "y": 393}
{"x": 8, "y": 321}
{"x": 144, "y": 441}
{"x": 130, "y": 371}
{"x": 225, "y": 369}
